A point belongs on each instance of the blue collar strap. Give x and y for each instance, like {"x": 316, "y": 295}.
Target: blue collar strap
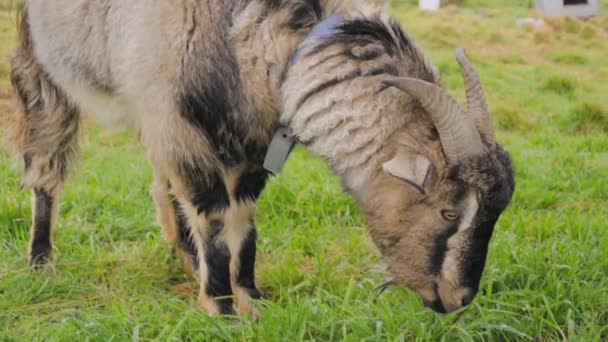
{"x": 323, "y": 29}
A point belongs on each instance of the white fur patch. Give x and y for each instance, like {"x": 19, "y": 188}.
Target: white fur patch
{"x": 450, "y": 270}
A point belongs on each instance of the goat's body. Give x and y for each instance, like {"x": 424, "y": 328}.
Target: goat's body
{"x": 201, "y": 82}
{"x": 205, "y": 83}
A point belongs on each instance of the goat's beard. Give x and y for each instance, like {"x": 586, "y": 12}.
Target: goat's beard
{"x": 382, "y": 287}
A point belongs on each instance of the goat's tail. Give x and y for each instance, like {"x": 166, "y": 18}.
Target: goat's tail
{"x": 44, "y": 129}
{"x": 21, "y": 60}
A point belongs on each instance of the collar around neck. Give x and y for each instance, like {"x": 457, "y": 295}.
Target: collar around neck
{"x": 323, "y": 29}
{"x": 284, "y": 140}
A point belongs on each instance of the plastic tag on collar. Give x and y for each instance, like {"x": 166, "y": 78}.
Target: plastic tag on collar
{"x": 282, "y": 143}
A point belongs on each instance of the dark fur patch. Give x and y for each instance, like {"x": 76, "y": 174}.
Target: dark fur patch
{"x": 207, "y": 105}
{"x": 256, "y": 151}
{"x": 440, "y": 248}
{"x": 370, "y": 31}
{"x": 373, "y": 32}
{"x": 433, "y": 134}
{"x": 474, "y": 258}
{"x": 386, "y": 69}
{"x": 215, "y": 228}
{"x": 41, "y": 233}
{"x": 272, "y": 5}
{"x": 437, "y": 306}
{"x": 250, "y": 185}
{"x": 491, "y": 174}
{"x": 247, "y": 262}
{"x": 305, "y": 14}
{"x": 217, "y": 257}
{"x": 185, "y": 239}
{"x": 213, "y": 197}
{"x": 366, "y": 54}
{"x": 208, "y": 190}
{"x": 212, "y": 97}
{"x": 325, "y": 85}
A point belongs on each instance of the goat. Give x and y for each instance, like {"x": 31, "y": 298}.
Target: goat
{"x": 207, "y": 83}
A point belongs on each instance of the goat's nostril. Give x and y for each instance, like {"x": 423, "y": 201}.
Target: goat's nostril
{"x": 467, "y": 299}
{"x": 436, "y": 305}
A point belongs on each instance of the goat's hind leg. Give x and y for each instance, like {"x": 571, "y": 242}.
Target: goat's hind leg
{"x": 45, "y": 134}
{"x": 174, "y": 224}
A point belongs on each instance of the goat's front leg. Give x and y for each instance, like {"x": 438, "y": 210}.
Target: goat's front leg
{"x": 230, "y": 241}
{"x": 201, "y": 209}
{"x": 241, "y": 234}
{"x": 221, "y": 221}
{"x": 240, "y": 238}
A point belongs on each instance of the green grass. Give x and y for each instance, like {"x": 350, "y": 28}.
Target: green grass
{"x": 547, "y": 274}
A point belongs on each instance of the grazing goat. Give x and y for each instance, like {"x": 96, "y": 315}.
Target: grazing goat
{"x": 206, "y": 83}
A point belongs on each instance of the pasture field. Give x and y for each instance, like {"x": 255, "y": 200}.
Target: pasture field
{"x": 113, "y": 277}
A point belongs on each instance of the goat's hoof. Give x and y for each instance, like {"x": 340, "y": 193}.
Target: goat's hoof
{"x": 40, "y": 257}
{"x": 245, "y": 304}
{"x": 217, "y": 306}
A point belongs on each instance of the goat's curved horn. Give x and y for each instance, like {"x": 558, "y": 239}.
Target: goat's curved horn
{"x": 459, "y": 136}
{"x": 476, "y": 101}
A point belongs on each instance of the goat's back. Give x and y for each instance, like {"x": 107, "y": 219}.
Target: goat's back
{"x": 109, "y": 54}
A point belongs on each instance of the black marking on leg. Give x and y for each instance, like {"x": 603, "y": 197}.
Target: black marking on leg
{"x": 215, "y": 228}
{"x": 185, "y": 239}
{"x": 250, "y": 185}
{"x": 40, "y": 248}
{"x": 245, "y": 276}
{"x": 217, "y": 257}
{"x": 209, "y": 192}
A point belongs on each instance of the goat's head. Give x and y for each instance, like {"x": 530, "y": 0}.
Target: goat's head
{"x": 432, "y": 218}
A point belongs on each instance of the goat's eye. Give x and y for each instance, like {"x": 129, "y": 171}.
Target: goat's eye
{"x": 449, "y": 215}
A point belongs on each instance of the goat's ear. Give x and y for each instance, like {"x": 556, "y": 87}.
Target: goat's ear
{"x": 409, "y": 167}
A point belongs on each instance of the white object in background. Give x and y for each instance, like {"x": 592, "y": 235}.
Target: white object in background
{"x": 574, "y": 8}
{"x": 432, "y": 5}
{"x": 530, "y": 22}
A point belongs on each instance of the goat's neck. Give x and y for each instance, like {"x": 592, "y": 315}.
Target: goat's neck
{"x": 340, "y": 109}
{"x": 265, "y": 40}
{"x": 335, "y": 105}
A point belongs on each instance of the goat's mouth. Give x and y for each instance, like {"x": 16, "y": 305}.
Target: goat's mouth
{"x": 457, "y": 298}
{"x": 444, "y": 298}
{"x": 435, "y": 305}
{"x": 431, "y": 299}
